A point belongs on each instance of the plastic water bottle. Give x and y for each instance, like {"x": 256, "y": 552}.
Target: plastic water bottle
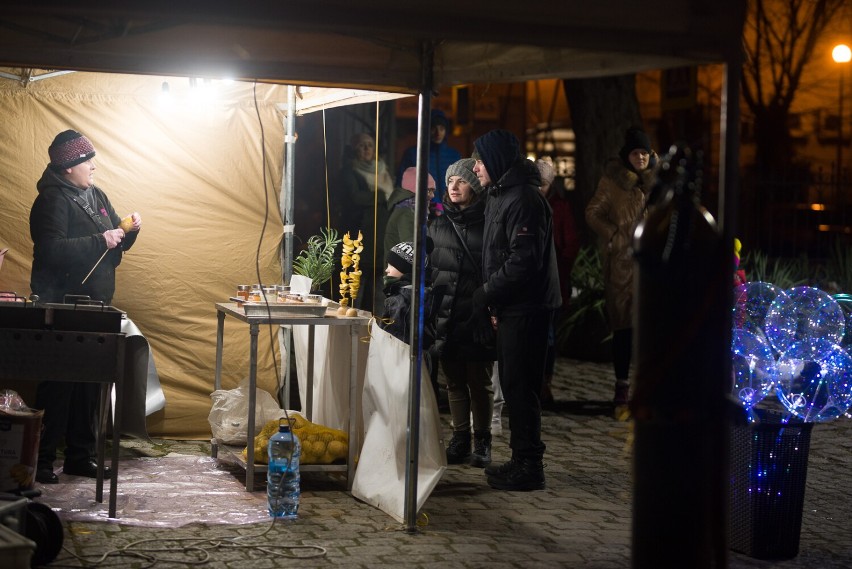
{"x": 282, "y": 478}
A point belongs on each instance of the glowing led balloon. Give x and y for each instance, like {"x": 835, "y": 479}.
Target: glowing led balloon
{"x": 754, "y": 368}
{"x": 751, "y": 303}
{"x": 845, "y": 302}
{"x": 815, "y": 380}
{"x": 804, "y": 314}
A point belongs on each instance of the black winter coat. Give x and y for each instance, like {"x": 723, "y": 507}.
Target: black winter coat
{"x": 453, "y": 268}
{"x": 67, "y": 243}
{"x": 519, "y": 258}
{"x": 396, "y": 317}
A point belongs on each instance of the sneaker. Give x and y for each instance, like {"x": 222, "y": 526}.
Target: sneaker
{"x": 458, "y": 451}
{"x": 481, "y": 456}
{"x": 522, "y": 475}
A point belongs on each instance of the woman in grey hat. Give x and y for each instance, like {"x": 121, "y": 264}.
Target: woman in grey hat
{"x": 466, "y": 352}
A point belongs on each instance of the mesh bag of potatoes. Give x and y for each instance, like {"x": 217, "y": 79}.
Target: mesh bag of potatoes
{"x": 320, "y": 444}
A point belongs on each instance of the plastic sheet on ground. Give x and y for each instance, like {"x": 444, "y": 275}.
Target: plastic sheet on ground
{"x": 169, "y": 491}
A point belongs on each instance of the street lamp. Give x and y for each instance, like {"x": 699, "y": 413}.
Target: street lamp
{"x": 840, "y": 54}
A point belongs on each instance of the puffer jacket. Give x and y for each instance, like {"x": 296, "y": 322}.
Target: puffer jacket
{"x": 613, "y": 213}
{"x": 518, "y": 256}
{"x": 453, "y": 269}
{"x": 67, "y": 242}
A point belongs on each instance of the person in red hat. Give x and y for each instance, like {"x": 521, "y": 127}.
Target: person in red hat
{"x": 72, "y": 225}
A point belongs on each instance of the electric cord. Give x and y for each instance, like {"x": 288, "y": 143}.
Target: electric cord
{"x": 270, "y": 327}
{"x": 196, "y": 551}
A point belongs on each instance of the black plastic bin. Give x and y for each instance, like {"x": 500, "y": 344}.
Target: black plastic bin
{"x": 769, "y": 466}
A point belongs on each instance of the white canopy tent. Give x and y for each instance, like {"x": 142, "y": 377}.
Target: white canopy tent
{"x": 390, "y": 46}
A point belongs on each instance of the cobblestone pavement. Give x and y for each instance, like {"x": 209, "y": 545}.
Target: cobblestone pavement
{"x": 581, "y": 520}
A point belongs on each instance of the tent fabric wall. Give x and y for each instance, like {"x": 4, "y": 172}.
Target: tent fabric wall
{"x": 194, "y": 172}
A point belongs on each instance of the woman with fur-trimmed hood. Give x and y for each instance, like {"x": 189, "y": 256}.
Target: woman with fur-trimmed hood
{"x": 613, "y": 213}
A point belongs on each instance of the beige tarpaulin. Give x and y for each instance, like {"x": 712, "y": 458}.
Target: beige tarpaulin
{"x": 194, "y": 171}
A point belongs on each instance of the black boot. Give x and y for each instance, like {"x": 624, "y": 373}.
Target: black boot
{"x": 481, "y": 449}
{"x": 458, "y": 451}
{"x": 500, "y": 469}
{"x": 621, "y": 400}
{"x": 523, "y": 474}
{"x": 622, "y": 392}
{"x": 546, "y": 398}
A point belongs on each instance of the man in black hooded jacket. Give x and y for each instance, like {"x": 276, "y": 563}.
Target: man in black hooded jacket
{"x": 521, "y": 291}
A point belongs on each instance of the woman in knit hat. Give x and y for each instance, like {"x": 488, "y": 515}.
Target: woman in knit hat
{"x": 466, "y": 352}
{"x": 613, "y": 213}
{"x": 78, "y": 242}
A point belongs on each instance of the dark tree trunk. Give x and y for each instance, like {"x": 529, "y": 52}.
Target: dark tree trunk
{"x": 601, "y": 110}
{"x": 774, "y": 146}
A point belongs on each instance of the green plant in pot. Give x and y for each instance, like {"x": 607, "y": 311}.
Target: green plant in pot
{"x": 317, "y": 260}
{"x": 583, "y": 332}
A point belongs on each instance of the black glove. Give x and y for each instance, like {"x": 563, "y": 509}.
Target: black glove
{"x": 480, "y": 299}
{"x": 483, "y": 331}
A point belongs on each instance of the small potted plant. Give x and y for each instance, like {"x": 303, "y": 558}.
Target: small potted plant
{"x": 316, "y": 260}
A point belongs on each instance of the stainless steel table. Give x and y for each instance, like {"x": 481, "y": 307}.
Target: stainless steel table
{"x": 330, "y": 318}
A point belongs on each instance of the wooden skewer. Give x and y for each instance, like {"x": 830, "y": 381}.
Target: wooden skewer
{"x": 126, "y": 224}
{"x": 95, "y": 267}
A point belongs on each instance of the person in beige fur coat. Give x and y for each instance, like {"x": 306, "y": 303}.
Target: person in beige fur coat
{"x": 613, "y": 213}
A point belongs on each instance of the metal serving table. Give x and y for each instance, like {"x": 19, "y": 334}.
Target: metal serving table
{"x": 279, "y": 317}
{"x": 43, "y": 345}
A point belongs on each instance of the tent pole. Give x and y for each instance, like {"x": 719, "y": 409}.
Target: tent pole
{"x": 286, "y": 254}
{"x": 418, "y": 282}
{"x": 287, "y": 184}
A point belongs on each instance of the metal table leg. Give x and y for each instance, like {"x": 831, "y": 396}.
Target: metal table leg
{"x": 217, "y": 381}
{"x": 253, "y": 330}
{"x": 309, "y": 391}
{"x": 354, "y": 405}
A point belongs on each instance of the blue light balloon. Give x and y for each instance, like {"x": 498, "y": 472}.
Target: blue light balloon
{"x": 754, "y": 368}
{"x": 815, "y": 380}
{"x": 845, "y": 302}
{"x": 751, "y": 303}
{"x": 803, "y": 314}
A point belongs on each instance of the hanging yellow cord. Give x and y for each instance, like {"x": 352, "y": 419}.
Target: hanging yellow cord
{"x": 327, "y": 193}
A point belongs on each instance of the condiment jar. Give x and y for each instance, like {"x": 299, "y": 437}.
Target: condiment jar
{"x": 243, "y": 291}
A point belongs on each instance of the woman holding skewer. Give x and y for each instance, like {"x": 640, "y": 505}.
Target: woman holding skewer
{"x": 78, "y": 241}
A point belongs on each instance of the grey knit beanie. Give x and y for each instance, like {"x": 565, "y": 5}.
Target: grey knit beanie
{"x": 464, "y": 169}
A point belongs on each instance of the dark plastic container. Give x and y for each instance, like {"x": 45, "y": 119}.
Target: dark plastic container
{"x": 769, "y": 467}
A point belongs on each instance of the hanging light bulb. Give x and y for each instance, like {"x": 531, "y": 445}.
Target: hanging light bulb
{"x": 165, "y": 97}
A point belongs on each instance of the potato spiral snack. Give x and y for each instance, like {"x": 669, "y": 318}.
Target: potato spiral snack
{"x": 350, "y": 276}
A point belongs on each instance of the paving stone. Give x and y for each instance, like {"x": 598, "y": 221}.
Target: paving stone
{"x": 582, "y": 520}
